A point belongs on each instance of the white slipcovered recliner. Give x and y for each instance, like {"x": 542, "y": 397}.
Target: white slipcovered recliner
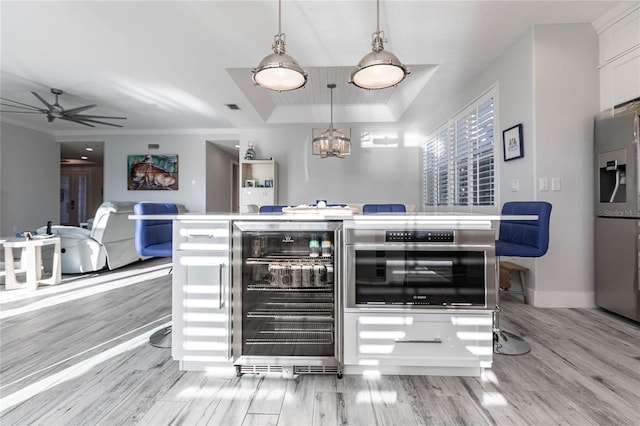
{"x": 109, "y": 243}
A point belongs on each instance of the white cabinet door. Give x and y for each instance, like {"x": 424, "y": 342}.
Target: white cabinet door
{"x": 620, "y": 60}
{"x": 201, "y": 314}
{"x": 202, "y": 320}
{"x": 620, "y": 37}
{"x": 625, "y": 77}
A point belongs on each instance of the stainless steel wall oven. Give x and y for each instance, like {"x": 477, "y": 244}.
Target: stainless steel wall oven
{"x": 414, "y": 267}
{"x": 286, "y": 307}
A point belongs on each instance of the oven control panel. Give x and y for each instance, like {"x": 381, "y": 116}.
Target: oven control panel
{"x": 419, "y": 236}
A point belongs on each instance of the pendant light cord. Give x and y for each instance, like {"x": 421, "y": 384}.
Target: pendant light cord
{"x": 279, "y": 16}
{"x": 378, "y": 16}
{"x": 331, "y": 108}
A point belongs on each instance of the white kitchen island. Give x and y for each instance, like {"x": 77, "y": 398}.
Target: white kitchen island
{"x": 389, "y": 339}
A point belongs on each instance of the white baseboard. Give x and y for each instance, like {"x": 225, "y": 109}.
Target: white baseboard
{"x": 561, "y": 299}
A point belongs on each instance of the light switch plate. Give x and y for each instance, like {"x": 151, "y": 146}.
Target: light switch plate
{"x": 544, "y": 184}
{"x": 515, "y": 185}
{"x": 555, "y": 184}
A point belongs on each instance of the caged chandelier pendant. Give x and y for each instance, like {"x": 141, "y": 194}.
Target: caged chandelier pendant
{"x": 331, "y": 142}
{"x": 279, "y": 71}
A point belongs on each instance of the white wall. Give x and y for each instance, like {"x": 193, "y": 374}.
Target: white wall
{"x": 512, "y": 73}
{"x": 192, "y": 165}
{"x": 548, "y": 81}
{"x": 29, "y": 179}
{"x": 378, "y": 175}
{"x": 566, "y": 101}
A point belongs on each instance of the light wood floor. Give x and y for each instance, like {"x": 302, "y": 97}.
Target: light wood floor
{"x": 76, "y": 354}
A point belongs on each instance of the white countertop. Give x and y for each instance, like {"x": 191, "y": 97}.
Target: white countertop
{"x": 409, "y": 218}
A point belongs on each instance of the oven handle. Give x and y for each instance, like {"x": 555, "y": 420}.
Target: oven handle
{"x": 435, "y": 340}
{"x": 454, "y": 247}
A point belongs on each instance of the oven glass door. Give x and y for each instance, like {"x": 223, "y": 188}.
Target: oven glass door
{"x": 419, "y": 277}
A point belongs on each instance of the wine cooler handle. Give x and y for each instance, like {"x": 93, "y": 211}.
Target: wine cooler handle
{"x": 221, "y": 284}
{"x": 435, "y": 340}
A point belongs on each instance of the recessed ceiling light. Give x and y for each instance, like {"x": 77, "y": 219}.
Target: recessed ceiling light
{"x": 84, "y": 157}
{"x": 89, "y": 148}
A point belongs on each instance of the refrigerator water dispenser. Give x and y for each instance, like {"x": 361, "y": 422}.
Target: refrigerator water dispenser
{"x": 613, "y": 185}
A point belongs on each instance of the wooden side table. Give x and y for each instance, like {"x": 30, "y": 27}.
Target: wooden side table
{"x": 32, "y": 262}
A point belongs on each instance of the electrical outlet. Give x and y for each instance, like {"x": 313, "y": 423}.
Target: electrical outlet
{"x": 515, "y": 185}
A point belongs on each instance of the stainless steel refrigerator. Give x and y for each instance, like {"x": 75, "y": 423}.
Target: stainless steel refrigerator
{"x": 617, "y": 206}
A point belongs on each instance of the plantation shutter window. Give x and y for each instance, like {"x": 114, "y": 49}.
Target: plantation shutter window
{"x": 458, "y": 159}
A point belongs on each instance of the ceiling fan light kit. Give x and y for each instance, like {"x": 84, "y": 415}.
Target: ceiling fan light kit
{"x": 55, "y": 111}
{"x": 279, "y": 71}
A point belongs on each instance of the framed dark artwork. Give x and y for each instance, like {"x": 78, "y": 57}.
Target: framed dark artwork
{"x": 512, "y": 143}
{"x": 152, "y": 172}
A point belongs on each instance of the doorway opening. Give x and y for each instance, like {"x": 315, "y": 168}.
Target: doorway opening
{"x": 81, "y": 181}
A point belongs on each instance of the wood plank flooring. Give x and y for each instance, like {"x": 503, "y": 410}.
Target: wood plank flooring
{"x": 77, "y": 354}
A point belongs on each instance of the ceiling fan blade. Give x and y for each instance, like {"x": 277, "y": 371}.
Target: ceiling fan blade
{"x": 29, "y": 108}
{"x": 100, "y": 116}
{"x": 74, "y": 111}
{"x": 19, "y": 103}
{"x": 24, "y": 112}
{"x": 43, "y": 101}
{"x": 74, "y": 120}
{"x": 98, "y": 122}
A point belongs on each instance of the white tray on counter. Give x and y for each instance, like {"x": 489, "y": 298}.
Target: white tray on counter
{"x": 332, "y": 211}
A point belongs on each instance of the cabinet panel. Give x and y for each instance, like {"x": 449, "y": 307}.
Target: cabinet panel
{"x": 201, "y": 315}
{"x": 203, "y": 236}
{"x": 625, "y": 77}
{"x": 201, "y": 293}
{"x": 433, "y": 340}
{"x": 258, "y": 196}
{"x": 620, "y": 37}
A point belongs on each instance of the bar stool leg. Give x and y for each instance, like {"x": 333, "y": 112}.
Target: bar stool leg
{"x": 506, "y": 343}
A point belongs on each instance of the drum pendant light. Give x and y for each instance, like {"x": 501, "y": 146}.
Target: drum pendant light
{"x": 331, "y": 142}
{"x": 279, "y": 71}
{"x": 380, "y": 68}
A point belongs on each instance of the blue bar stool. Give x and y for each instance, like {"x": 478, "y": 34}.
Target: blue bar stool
{"x": 154, "y": 237}
{"x": 519, "y": 238}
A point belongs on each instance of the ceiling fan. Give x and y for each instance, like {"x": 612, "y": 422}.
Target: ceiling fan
{"x": 53, "y": 111}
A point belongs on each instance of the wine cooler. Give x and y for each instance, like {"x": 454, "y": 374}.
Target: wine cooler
{"x": 286, "y": 303}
